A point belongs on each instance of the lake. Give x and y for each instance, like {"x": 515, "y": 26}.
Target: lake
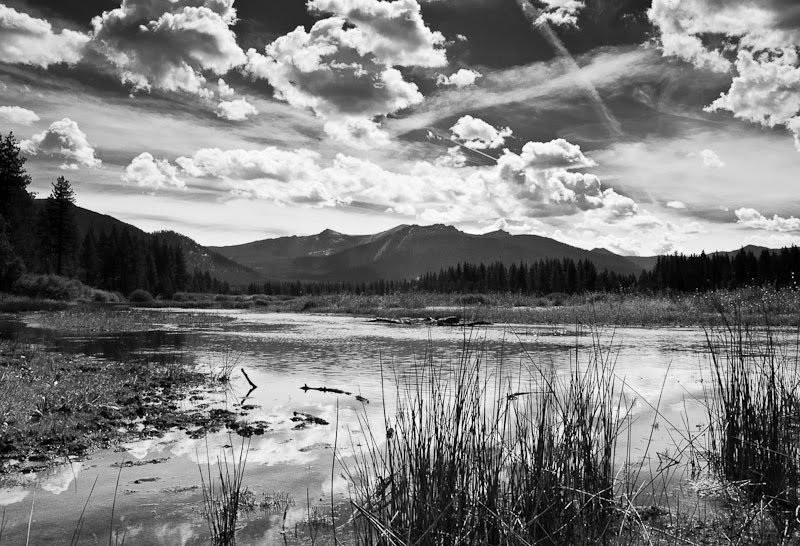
{"x": 291, "y": 467}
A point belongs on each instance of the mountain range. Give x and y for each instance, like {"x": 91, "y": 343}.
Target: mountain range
{"x": 405, "y": 251}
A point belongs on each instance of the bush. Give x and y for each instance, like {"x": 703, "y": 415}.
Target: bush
{"x": 140, "y": 296}
{"x": 51, "y": 287}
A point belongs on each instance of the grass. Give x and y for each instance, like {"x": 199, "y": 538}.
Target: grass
{"x": 755, "y": 416}
{"x": 471, "y": 460}
{"x": 224, "y": 496}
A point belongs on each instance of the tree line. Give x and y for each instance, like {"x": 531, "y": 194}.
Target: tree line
{"x": 48, "y": 242}
{"x": 677, "y": 272}
{"x": 537, "y": 278}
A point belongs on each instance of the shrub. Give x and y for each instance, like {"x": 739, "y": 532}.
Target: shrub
{"x": 51, "y": 287}
{"x": 140, "y": 296}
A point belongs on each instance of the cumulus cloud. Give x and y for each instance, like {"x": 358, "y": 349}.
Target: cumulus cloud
{"x": 357, "y": 132}
{"x": 146, "y": 171}
{"x": 754, "y": 219}
{"x": 236, "y": 110}
{"x": 168, "y": 44}
{"x": 711, "y": 159}
{"x": 394, "y": 32}
{"x": 224, "y": 90}
{"x": 758, "y": 41}
{"x": 476, "y": 134}
{"x": 679, "y": 205}
{"x": 540, "y": 181}
{"x": 556, "y": 154}
{"x": 462, "y": 78}
{"x": 345, "y": 66}
{"x": 766, "y": 90}
{"x": 17, "y": 115}
{"x": 560, "y": 12}
{"x": 27, "y": 40}
{"x": 65, "y": 140}
{"x": 323, "y": 70}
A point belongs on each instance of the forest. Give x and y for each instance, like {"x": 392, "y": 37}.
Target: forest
{"x": 46, "y": 240}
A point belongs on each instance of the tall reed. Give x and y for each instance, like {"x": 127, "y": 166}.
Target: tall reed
{"x": 755, "y": 416}
{"x": 471, "y": 459}
{"x": 222, "y": 500}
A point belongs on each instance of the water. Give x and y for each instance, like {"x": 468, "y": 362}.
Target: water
{"x": 161, "y": 503}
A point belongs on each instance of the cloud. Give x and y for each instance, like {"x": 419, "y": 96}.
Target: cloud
{"x": 346, "y": 65}
{"x": 236, "y": 110}
{"x": 147, "y": 172}
{"x": 754, "y": 219}
{"x": 765, "y": 91}
{"x": 679, "y": 205}
{"x": 168, "y": 44}
{"x": 556, "y": 154}
{"x": 477, "y": 134}
{"x": 27, "y": 40}
{"x": 538, "y": 182}
{"x": 17, "y": 116}
{"x": 323, "y": 70}
{"x": 224, "y": 90}
{"x": 560, "y": 12}
{"x": 462, "y": 78}
{"x": 758, "y": 41}
{"x": 394, "y": 32}
{"x": 65, "y": 140}
{"x": 357, "y": 133}
{"x": 711, "y": 159}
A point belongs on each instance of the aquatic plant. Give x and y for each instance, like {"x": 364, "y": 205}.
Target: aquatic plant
{"x": 755, "y": 416}
{"x": 224, "y": 496}
{"x": 469, "y": 459}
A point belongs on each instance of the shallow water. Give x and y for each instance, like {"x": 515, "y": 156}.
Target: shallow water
{"x": 161, "y": 503}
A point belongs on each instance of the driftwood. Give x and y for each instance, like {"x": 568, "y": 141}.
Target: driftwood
{"x": 442, "y": 321}
{"x": 362, "y": 399}
{"x": 306, "y": 388}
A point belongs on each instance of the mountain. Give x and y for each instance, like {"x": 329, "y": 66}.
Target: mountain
{"x": 405, "y": 251}
{"x": 649, "y": 262}
{"x": 197, "y": 256}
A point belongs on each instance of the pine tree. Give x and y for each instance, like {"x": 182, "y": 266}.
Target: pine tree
{"x": 15, "y": 202}
{"x": 58, "y": 229}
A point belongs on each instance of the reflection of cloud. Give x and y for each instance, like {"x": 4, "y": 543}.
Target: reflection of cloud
{"x": 12, "y": 495}
{"x": 59, "y": 481}
{"x": 175, "y": 534}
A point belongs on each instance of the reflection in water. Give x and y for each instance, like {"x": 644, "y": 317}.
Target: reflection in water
{"x": 283, "y": 352}
{"x": 13, "y": 495}
{"x": 59, "y": 479}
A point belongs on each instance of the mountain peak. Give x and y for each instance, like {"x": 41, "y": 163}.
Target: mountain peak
{"x": 497, "y": 234}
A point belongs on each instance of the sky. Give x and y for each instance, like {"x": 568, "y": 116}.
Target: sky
{"x": 643, "y": 127}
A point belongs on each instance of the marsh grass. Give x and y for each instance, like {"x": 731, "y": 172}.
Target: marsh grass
{"x": 755, "y": 416}
{"x": 471, "y": 459}
{"x": 224, "y": 495}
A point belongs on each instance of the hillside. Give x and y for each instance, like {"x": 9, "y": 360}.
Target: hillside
{"x": 197, "y": 256}
{"x": 403, "y": 252}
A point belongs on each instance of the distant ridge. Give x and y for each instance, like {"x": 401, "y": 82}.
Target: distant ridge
{"x": 197, "y": 256}
{"x": 405, "y": 251}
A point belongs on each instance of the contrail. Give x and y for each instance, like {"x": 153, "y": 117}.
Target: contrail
{"x": 532, "y": 13}
{"x": 434, "y": 135}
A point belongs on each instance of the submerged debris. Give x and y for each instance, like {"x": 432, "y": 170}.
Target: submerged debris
{"x": 452, "y": 320}
{"x": 303, "y": 419}
{"x": 306, "y": 388}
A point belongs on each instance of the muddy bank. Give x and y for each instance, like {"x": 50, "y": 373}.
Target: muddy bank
{"x": 56, "y": 407}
